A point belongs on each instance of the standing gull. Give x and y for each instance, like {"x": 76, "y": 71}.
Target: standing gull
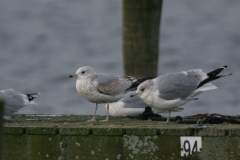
{"x": 15, "y": 100}
{"x": 169, "y": 91}
{"x": 103, "y": 88}
{"x": 132, "y": 105}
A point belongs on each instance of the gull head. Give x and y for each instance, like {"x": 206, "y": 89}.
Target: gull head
{"x": 145, "y": 88}
{"x": 130, "y": 94}
{"x": 84, "y": 73}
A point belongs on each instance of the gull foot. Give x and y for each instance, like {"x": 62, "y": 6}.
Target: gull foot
{"x": 106, "y": 120}
{"x": 91, "y": 120}
{"x": 164, "y": 122}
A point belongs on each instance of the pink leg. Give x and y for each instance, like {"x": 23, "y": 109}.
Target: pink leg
{"x": 94, "y": 116}
{"x": 107, "y": 118}
{"x": 169, "y": 112}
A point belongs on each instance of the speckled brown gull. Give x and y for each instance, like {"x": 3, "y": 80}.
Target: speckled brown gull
{"x": 103, "y": 88}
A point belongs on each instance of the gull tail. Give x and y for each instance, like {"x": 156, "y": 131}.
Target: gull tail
{"x": 138, "y": 81}
{"x": 206, "y": 87}
{"x": 213, "y": 75}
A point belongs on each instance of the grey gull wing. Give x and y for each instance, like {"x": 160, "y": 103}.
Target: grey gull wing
{"x": 177, "y": 85}
{"x": 112, "y": 85}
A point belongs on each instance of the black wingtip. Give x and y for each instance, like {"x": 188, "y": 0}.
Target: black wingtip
{"x": 139, "y": 81}
{"x": 213, "y": 75}
{"x": 70, "y": 76}
{"x": 32, "y": 96}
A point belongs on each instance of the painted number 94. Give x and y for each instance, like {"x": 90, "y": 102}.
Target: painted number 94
{"x": 190, "y": 144}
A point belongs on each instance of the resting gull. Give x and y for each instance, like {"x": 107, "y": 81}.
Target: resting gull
{"x": 15, "y": 100}
{"x": 175, "y": 89}
{"x": 103, "y": 88}
{"x": 132, "y": 105}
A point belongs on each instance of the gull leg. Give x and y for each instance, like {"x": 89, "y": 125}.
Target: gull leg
{"x": 107, "y": 118}
{"x": 94, "y": 116}
{"x": 169, "y": 112}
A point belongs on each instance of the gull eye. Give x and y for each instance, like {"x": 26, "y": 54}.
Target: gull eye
{"x": 131, "y": 96}
{"x": 83, "y": 72}
{"x": 142, "y": 89}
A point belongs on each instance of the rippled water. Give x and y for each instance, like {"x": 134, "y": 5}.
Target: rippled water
{"x": 43, "y": 42}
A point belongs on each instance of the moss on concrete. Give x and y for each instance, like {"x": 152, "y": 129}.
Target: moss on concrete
{"x": 175, "y": 132}
{"x": 74, "y": 131}
{"x": 15, "y": 147}
{"x": 215, "y": 148}
{"x": 14, "y": 130}
{"x": 91, "y": 147}
{"x": 141, "y": 131}
{"x": 41, "y": 130}
{"x": 43, "y": 147}
{"x": 108, "y": 131}
{"x": 233, "y": 132}
{"x": 71, "y": 137}
{"x": 210, "y": 132}
{"x": 79, "y": 121}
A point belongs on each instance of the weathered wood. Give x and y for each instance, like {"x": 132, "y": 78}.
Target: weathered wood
{"x": 141, "y": 25}
{"x": 1, "y": 128}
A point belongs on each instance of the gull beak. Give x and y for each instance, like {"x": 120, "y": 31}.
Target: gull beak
{"x": 72, "y": 75}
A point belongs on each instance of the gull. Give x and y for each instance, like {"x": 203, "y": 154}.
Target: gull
{"x": 169, "y": 91}
{"x": 103, "y": 88}
{"x": 132, "y": 105}
{"x": 14, "y": 100}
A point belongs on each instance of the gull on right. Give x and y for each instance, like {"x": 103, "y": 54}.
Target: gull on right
{"x": 169, "y": 91}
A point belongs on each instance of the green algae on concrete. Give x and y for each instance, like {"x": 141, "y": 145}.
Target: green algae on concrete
{"x": 15, "y": 147}
{"x": 210, "y": 132}
{"x": 91, "y": 147}
{"x": 141, "y": 131}
{"x": 74, "y": 131}
{"x": 121, "y": 138}
{"x": 233, "y": 132}
{"x": 176, "y": 132}
{"x": 218, "y": 148}
{"x": 151, "y": 147}
{"x": 43, "y": 147}
{"x": 41, "y": 130}
{"x": 14, "y": 130}
{"x": 108, "y": 131}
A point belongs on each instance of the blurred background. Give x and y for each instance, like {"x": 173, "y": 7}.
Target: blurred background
{"x": 42, "y": 42}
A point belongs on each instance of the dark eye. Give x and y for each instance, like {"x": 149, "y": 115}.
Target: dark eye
{"x": 83, "y": 72}
{"x": 131, "y": 96}
{"x": 142, "y": 89}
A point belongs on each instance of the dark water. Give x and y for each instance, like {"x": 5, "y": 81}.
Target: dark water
{"x": 42, "y": 42}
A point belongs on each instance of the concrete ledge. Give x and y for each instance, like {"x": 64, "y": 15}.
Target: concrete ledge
{"x": 74, "y": 131}
{"x": 107, "y": 131}
{"x": 70, "y": 137}
{"x": 41, "y": 130}
{"x": 141, "y": 131}
{"x": 211, "y": 132}
{"x": 14, "y": 130}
